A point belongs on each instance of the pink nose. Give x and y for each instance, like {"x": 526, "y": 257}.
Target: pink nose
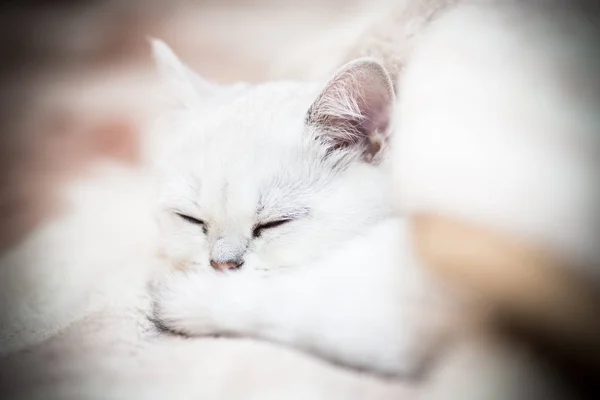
{"x": 224, "y": 266}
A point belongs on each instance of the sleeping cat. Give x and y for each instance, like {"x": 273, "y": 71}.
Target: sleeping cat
{"x": 275, "y": 203}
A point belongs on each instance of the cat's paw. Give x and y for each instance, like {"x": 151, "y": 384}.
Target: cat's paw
{"x": 201, "y": 303}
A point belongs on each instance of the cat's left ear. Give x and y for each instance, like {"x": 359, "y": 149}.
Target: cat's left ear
{"x": 187, "y": 86}
{"x": 354, "y": 110}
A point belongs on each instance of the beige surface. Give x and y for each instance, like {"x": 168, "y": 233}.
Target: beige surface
{"x": 529, "y": 284}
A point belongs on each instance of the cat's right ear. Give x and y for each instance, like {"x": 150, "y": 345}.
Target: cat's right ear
{"x": 354, "y": 110}
{"x": 185, "y": 85}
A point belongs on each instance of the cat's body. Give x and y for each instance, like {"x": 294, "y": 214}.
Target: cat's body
{"x": 288, "y": 183}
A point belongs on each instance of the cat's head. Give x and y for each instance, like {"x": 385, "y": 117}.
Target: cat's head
{"x": 273, "y": 175}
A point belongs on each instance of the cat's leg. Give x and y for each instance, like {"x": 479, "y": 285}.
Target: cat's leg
{"x": 367, "y": 306}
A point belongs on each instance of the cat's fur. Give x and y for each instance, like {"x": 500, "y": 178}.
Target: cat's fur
{"x": 338, "y": 279}
{"x": 128, "y": 365}
{"x": 185, "y": 310}
{"x": 254, "y": 155}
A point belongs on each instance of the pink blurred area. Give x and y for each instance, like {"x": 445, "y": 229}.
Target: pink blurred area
{"x": 77, "y": 81}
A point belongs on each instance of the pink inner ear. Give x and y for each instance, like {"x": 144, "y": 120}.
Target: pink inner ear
{"x": 375, "y": 102}
{"x": 355, "y": 107}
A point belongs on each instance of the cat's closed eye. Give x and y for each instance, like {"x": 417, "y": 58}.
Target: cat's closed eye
{"x": 191, "y": 220}
{"x": 268, "y": 225}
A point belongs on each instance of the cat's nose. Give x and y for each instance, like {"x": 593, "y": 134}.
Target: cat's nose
{"x": 228, "y": 252}
{"x": 226, "y": 265}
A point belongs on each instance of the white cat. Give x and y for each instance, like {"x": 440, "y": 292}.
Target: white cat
{"x": 282, "y": 188}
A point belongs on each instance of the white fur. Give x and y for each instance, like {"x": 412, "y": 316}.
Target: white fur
{"x": 498, "y": 124}
{"x": 105, "y": 247}
{"x": 221, "y": 172}
{"x": 257, "y": 157}
{"x": 80, "y": 284}
{"x": 62, "y": 271}
{"x": 106, "y": 350}
{"x": 367, "y": 304}
{"x": 252, "y": 159}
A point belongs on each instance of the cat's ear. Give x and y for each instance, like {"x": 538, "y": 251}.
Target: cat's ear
{"x": 186, "y": 85}
{"x": 355, "y": 108}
